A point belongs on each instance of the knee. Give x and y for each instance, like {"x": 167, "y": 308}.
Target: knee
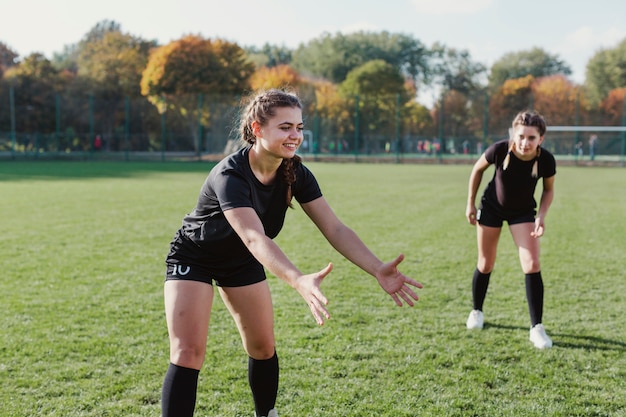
{"x": 485, "y": 266}
{"x": 188, "y": 356}
{"x": 261, "y": 351}
{"x": 531, "y": 266}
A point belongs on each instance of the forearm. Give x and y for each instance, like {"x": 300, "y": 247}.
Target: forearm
{"x": 348, "y": 244}
{"x": 269, "y": 254}
{"x": 544, "y": 204}
{"x": 472, "y": 188}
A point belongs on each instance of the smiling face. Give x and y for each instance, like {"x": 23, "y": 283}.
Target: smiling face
{"x": 281, "y": 135}
{"x": 527, "y": 139}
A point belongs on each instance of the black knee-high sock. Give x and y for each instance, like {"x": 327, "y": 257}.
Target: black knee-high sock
{"x": 534, "y": 296}
{"x": 178, "y": 397}
{"x": 480, "y": 283}
{"x": 263, "y": 380}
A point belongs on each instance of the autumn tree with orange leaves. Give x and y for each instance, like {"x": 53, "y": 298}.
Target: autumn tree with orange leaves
{"x": 614, "y": 107}
{"x": 280, "y": 76}
{"x": 195, "y": 65}
{"x": 178, "y": 76}
{"x": 559, "y": 100}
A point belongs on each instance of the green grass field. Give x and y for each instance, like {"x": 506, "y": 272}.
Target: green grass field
{"x": 83, "y": 330}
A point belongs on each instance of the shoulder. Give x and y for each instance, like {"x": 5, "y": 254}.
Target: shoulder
{"x": 233, "y": 163}
{"x": 547, "y": 162}
{"x": 546, "y": 153}
{"x": 233, "y": 167}
{"x": 497, "y": 150}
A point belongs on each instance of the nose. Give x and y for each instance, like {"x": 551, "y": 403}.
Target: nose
{"x": 295, "y": 133}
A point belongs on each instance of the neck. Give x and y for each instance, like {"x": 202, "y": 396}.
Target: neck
{"x": 263, "y": 166}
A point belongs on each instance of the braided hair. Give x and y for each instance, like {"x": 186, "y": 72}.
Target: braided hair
{"x": 261, "y": 108}
{"x": 527, "y": 118}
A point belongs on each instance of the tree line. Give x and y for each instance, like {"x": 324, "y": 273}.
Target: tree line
{"x": 354, "y": 85}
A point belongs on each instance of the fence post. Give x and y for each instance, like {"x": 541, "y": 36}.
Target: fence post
{"x": 624, "y": 132}
{"x": 440, "y": 127}
{"x": 126, "y": 126}
{"x": 200, "y": 105}
{"x": 57, "y": 121}
{"x": 486, "y": 118}
{"x": 356, "y": 127}
{"x": 91, "y": 126}
{"x": 577, "y": 118}
{"x": 398, "y": 128}
{"x": 163, "y": 131}
{"x": 12, "y": 109}
{"x": 315, "y": 137}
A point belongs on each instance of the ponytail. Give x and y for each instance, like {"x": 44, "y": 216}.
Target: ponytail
{"x": 288, "y": 173}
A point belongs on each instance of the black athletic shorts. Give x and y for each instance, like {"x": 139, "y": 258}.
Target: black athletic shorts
{"x": 248, "y": 273}
{"x": 491, "y": 216}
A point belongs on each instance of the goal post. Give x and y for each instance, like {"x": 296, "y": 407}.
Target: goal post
{"x": 610, "y": 141}
{"x": 586, "y": 128}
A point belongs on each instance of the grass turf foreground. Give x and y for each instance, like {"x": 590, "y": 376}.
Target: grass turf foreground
{"x": 83, "y": 330}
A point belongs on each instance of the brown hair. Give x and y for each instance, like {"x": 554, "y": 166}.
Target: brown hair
{"x": 527, "y": 118}
{"x": 260, "y": 108}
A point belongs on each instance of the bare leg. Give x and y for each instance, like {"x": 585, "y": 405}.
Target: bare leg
{"x": 251, "y": 308}
{"x": 529, "y": 251}
{"x": 187, "y": 310}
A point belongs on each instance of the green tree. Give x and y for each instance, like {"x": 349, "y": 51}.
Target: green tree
{"x": 106, "y": 66}
{"x": 606, "y": 71}
{"x": 35, "y": 83}
{"x": 68, "y": 58}
{"x": 269, "y": 55}
{"x": 453, "y": 69}
{"x": 8, "y": 57}
{"x": 332, "y": 57}
{"x": 114, "y": 63}
{"x": 381, "y": 93}
{"x": 535, "y": 62}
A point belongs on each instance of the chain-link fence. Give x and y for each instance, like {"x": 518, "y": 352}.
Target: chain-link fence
{"x": 358, "y": 128}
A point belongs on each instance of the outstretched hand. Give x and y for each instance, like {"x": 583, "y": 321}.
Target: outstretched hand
{"x": 309, "y": 288}
{"x": 397, "y": 284}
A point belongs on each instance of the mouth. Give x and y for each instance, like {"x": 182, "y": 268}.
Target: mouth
{"x": 291, "y": 146}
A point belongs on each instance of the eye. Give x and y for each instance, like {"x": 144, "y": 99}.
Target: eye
{"x": 300, "y": 128}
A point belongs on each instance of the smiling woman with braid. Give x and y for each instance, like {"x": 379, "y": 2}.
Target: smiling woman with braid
{"x": 227, "y": 240}
{"x": 509, "y": 196}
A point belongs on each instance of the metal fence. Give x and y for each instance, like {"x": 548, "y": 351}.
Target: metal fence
{"x": 204, "y": 126}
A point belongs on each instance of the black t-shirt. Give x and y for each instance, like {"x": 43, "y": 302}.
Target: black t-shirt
{"x": 207, "y": 237}
{"x": 513, "y": 189}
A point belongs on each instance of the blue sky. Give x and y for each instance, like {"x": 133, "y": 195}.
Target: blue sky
{"x": 572, "y": 29}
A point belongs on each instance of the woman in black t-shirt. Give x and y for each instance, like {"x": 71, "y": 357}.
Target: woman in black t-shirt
{"x": 519, "y": 163}
{"x": 227, "y": 239}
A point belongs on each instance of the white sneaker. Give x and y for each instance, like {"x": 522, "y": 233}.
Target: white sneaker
{"x": 475, "y": 320}
{"x": 271, "y": 413}
{"x": 539, "y": 337}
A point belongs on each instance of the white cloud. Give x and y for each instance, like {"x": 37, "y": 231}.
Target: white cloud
{"x": 586, "y": 37}
{"x": 578, "y": 46}
{"x": 360, "y": 26}
{"x": 450, "y": 6}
